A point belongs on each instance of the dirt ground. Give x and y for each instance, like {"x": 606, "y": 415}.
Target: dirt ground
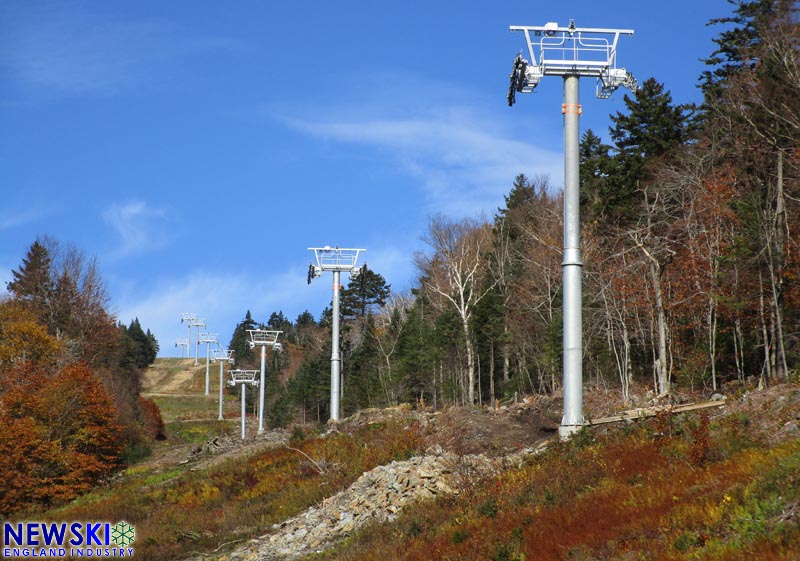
{"x": 774, "y": 413}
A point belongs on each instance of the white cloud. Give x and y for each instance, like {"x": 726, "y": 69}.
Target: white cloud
{"x": 464, "y": 163}
{"x": 222, "y": 298}
{"x": 10, "y": 219}
{"x": 138, "y": 226}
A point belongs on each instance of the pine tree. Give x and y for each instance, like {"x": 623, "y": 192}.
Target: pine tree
{"x": 741, "y": 36}
{"x": 363, "y": 294}
{"x": 596, "y": 178}
{"x": 33, "y": 281}
{"x": 243, "y": 354}
{"x": 652, "y": 127}
{"x": 305, "y": 319}
{"x": 152, "y": 347}
{"x": 278, "y": 322}
{"x": 143, "y": 348}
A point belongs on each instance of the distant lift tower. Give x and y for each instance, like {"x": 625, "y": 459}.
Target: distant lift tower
{"x": 208, "y": 338}
{"x": 337, "y": 260}
{"x": 197, "y": 323}
{"x": 193, "y": 321}
{"x": 571, "y": 52}
{"x": 263, "y": 338}
{"x": 188, "y": 318}
{"x": 222, "y": 356}
{"x": 243, "y": 378}
{"x": 182, "y": 343}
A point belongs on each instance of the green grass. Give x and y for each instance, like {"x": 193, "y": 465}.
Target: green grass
{"x": 196, "y": 407}
{"x": 196, "y": 432}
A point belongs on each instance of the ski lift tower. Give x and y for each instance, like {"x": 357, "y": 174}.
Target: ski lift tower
{"x": 263, "y": 338}
{"x": 222, "y": 356}
{"x": 197, "y": 323}
{"x": 243, "y": 378}
{"x": 336, "y": 260}
{"x": 208, "y": 338}
{"x": 188, "y": 318}
{"x": 571, "y": 53}
{"x": 182, "y": 343}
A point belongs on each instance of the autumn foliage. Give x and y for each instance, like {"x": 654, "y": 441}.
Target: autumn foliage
{"x": 70, "y": 411}
{"x": 58, "y": 436}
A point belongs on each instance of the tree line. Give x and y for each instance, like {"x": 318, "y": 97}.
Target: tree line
{"x": 691, "y": 255}
{"x": 70, "y": 378}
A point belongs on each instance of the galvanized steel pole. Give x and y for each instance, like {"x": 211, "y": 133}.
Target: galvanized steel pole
{"x": 244, "y": 406}
{"x": 208, "y": 366}
{"x": 221, "y": 383}
{"x": 572, "y": 265}
{"x": 335, "y": 358}
{"x": 261, "y": 389}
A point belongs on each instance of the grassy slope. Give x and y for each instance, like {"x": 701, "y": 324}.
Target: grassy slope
{"x": 669, "y": 488}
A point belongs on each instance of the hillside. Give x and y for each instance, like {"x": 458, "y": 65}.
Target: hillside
{"x": 719, "y": 484}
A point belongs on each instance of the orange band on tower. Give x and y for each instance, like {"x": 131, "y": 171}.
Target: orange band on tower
{"x": 575, "y": 108}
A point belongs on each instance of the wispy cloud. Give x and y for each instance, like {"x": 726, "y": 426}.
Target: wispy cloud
{"x": 13, "y": 219}
{"x": 140, "y": 228}
{"x": 64, "y": 49}
{"x": 464, "y": 154}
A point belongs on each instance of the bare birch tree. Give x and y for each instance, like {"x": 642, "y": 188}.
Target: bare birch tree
{"x": 455, "y": 274}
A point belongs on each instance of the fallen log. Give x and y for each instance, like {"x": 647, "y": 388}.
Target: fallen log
{"x": 643, "y": 412}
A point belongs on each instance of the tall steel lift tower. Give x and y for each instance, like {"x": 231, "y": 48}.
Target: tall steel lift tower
{"x": 208, "y": 338}
{"x": 571, "y": 53}
{"x": 336, "y": 260}
{"x": 263, "y": 338}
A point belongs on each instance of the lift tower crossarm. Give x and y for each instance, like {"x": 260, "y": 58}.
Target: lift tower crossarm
{"x": 564, "y": 51}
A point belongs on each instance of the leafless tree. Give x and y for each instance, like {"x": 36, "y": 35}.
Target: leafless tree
{"x": 455, "y": 274}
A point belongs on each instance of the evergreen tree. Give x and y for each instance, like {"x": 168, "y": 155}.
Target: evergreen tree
{"x": 304, "y": 326}
{"x": 326, "y": 317}
{"x": 596, "y": 178}
{"x": 243, "y": 354}
{"x": 33, "y": 281}
{"x": 142, "y": 348}
{"x": 305, "y": 319}
{"x": 279, "y": 322}
{"x": 310, "y": 389}
{"x": 652, "y": 127}
{"x": 153, "y": 347}
{"x": 363, "y": 294}
{"x": 522, "y": 193}
{"x": 742, "y": 36}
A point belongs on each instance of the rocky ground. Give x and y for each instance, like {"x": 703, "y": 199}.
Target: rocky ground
{"x": 463, "y": 443}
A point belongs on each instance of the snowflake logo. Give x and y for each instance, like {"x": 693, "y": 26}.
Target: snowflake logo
{"x": 123, "y": 534}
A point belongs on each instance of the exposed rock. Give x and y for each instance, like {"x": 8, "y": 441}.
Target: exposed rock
{"x": 378, "y": 495}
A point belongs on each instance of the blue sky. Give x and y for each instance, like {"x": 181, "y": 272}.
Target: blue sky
{"x": 197, "y": 148}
